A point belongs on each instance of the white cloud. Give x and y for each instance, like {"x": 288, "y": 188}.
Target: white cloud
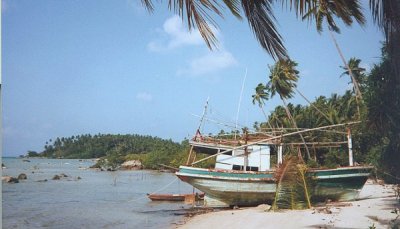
{"x": 177, "y": 36}
{"x": 174, "y": 35}
{"x": 211, "y": 62}
{"x": 144, "y": 96}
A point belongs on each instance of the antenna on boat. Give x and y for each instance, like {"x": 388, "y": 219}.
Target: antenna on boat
{"x": 203, "y": 115}
{"x": 240, "y": 101}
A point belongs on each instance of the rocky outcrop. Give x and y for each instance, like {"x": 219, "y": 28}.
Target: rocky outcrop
{"x": 56, "y": 177}
{"x": 22, "y": 176}
{"x": 132, "y": 165}
{"x": 10, "y": 179}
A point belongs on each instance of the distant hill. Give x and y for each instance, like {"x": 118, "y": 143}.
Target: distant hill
{"x": 151, "y": 151}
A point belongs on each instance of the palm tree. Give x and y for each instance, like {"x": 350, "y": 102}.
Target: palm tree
{"x": 346, "y": 10}
{"x": 283, "y": 77}
{"x": 260, "y": 96}
{"x": 358, "y": 72}
{"x": 386, "y": 14}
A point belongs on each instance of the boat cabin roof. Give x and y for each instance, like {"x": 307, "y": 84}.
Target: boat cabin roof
{"x": 209, "y": 148}
{"x": 212, "y": 148}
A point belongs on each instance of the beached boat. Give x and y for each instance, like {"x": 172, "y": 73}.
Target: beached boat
{"x": 173, "y": 197}
{"x": 242, "y": 174}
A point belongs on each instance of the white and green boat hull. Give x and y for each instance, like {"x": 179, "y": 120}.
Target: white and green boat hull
{"x": 225, "y": 188}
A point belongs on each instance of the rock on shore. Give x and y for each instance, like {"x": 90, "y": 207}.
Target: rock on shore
{"x": 132, "y": 165}
{"x": 9, "y": 179}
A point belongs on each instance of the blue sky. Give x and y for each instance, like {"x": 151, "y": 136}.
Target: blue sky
{"x": 98, "y": 66}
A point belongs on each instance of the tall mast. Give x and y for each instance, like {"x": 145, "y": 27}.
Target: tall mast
{"x": 240, "y": 101}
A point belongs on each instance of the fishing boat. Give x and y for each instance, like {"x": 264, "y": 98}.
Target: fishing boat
{"x": 243, "y": 175}
{"x": 173, "y": 197}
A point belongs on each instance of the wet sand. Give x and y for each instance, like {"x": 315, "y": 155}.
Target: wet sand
{"x": 377, "y": 207}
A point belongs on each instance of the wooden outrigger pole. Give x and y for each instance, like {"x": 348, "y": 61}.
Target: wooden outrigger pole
{"x": 277, "y": 137}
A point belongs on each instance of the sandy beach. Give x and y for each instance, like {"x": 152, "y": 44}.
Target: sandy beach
{"x": 377, "y": 207}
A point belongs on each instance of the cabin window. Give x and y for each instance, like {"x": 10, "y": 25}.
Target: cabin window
{"x": 252, "y": 168}
{"x": 248, "y": 168}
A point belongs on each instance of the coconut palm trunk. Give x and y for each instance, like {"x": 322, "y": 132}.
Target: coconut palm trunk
{"x": 356, "y": 86}
{"x": 268, "y": 122}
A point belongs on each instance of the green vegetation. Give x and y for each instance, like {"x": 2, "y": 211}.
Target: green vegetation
{"x": 115, "y": 149}
{"x": 376, "y": 140}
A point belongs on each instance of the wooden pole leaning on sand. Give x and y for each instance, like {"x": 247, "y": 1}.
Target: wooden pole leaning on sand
{"x": 273, "y": 138}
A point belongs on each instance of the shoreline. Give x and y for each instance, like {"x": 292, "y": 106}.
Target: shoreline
{"x": 376, "y": 207}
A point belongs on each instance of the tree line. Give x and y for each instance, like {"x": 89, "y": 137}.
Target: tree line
{"x": 116, "y": 148}
{"x": 374, "y": 101}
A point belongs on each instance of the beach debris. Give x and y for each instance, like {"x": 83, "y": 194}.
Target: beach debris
{"x": 45, "y": 180}
{"x": 325, "y": 210}
{"x": 264, "y": 207}
{"x": 78, "y": 178}
{"x": 3, "y": 166}
{"x": 26, "y": 160}
{"x": 22, "y": 176}
{"x": 9, "y": 179}
{"x": 63, "y": 175}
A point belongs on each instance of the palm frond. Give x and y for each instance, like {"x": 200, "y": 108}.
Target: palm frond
{"x": 148, "y": 4}
{"x": 320, "y": 10}
{"x": 234, "y": 7}
{"x": 262, "y": 21}
{"x": 292, "y": 189}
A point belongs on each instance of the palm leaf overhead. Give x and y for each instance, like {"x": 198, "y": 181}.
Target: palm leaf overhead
{"x": 262, "y": 21}
{"x": 386, "y": 14}
{"x": 259, "y": 14}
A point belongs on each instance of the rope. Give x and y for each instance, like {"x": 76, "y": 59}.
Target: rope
{"x": 143, "y": 197}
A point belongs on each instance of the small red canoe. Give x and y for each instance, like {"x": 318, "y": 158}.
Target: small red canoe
{"x": 173, "y": 197}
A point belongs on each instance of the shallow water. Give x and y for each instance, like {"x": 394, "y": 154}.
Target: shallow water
{"x": 98, "y": 200}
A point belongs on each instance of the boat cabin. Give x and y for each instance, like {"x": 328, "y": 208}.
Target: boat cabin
{"x": 254, "y": 158}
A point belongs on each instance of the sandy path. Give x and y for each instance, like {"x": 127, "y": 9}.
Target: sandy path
{"x": 376, "y": 207}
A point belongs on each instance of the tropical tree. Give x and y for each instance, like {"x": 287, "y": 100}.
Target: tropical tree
{"x": 386, "y": 14}
{"x": 358, "y": 72}
{"x": 384, "y": 104}
{"x": 347, "y": 10}
{"x": 282, "y": 81}
{"x": 260, "y": 96}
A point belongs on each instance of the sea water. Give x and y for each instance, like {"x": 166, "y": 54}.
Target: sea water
{"x": 99, "y": 199}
